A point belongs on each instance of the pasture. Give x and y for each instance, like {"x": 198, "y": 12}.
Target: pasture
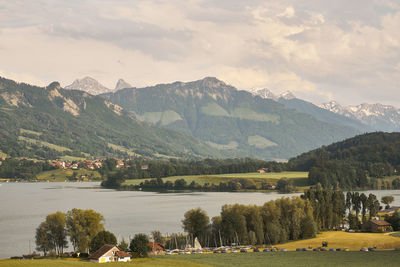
{"x": 299, "y": 178}
{"x": 278, "y": 259}
{"x": 60, "y": 175}
{"x": 352, "y": 241}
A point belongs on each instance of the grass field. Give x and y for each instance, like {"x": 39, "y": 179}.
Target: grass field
{"x": 299, "y": 178}
{"x": 43, "y": 143}
{"x": 275, "y": 259}
{"x": 352, "y": 241}
{"x": 60, "y": 175}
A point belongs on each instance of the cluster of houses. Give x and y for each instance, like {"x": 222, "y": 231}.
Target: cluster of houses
{"x": 88, "y": 164}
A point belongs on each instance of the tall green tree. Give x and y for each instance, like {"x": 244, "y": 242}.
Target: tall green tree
{"x": 57, "y": 233}
{"x": 102, "y": 238}
{"x": 196, "y": 222}
{"x": 387, "y": 200}
{"x": 42, "y": 238}
{"x": 82, "y": 226}
{"x": 139, "y": 245}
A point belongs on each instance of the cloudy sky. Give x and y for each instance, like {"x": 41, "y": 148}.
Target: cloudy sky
{"x": 319, "y": 49}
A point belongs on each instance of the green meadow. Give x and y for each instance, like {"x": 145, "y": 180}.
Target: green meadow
{"x": 299, "y": 178}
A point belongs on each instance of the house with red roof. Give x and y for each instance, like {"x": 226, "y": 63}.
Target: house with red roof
{"x": 109, "y": 253}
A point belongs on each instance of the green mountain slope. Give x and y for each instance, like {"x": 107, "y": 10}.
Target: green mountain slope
{"x": 230, "y": 120}
{"x": 347, "y": 164}
{"x": 50, "y": 122}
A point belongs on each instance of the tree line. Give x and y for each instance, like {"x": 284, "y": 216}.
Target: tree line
{"x": 23, "y": 168}
{"x": 233, "y": 185}
{"x": 356, "y": 163}
{"x": 85, "y": 229}
{"x": 283, "y": 219}
{"x": 173, "y": 167}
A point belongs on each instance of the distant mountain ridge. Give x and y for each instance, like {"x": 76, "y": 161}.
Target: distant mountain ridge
{"x": 228, "y": 119}
{"x": 378, "y": 116}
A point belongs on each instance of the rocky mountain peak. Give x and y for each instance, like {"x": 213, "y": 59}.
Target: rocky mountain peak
{"x": 53, "y": 85}
{"x": 88, "y": 84}
{"x": 287, "y": 95}
{"x": 265, "y": 93}
{"x": 121, "y": 84}
{"x": 212, "y": 82}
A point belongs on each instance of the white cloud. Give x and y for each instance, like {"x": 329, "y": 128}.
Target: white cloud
{"x": 303, "y": 46}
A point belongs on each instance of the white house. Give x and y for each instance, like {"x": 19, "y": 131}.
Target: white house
{"x": 109, "y": 253}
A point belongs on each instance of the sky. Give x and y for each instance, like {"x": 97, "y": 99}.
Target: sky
{"x": 320, "y": 50}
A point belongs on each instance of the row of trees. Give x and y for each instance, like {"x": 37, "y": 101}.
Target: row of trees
{"x": 85, "y": 229}
{"x": 174, "y": 167}
{"x": 276, "y": 221}
{"x": 283, "y": 219}
{"x": 81, "y": 226}
{"x": 23, "y": 169}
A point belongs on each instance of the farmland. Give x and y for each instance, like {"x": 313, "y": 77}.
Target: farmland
{"x": 354, "y": 258}
{"x": 299, "y": 178}
{"x": 60, "y": 175}
{"x": 352, "y": 241}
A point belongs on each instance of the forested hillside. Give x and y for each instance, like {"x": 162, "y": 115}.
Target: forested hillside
{"x": 50, "y": 122}
{"x": 349, "y": 163}
{"x": 228, "y": 119}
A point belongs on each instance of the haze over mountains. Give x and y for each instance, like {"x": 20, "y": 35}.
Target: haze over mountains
{"x": 214, "y": 119}
{"x": 50, "y": 122}
{"x": 228, "y": 119}
{"x": 365, "y": 117}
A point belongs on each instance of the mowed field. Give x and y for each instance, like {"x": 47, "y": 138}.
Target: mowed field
{"x": 60, "y": 175}
{"x": 308, "y": 258}
{"x": 352, "y": 241}
{"x": 299, "y": 178}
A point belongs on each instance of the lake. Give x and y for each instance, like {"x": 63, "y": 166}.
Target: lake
{"x": 24, "y": 206}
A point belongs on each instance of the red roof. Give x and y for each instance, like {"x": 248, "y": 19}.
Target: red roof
{"x": 380, "y": 223}
{"x": 122, "y": 254}
{"x": 101, "y": 251}
{"x": 156, "y": 246}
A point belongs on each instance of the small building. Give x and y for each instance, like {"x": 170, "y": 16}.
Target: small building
{"x": 376, "y": 226}
{"x": 262, "y": 170}
{"x": 156, "y": 249}
{"x": 109, "y": 253}
{"x": 144, "y": 167}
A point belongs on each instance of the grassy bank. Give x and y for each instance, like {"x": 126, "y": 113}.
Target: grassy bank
{"x": 377, "y": 258}
{"x": 61, "y": 175}
{"x": 352, "y": 241}
{"x": 299, "y": 178}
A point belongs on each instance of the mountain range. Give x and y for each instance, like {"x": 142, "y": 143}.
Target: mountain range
{"x": 49, "y": 122}
{"x": 377, "y": 116}
{"x": 364, "y": 117}
{"x": 204, "y": 118}
{"x": 230, "y": 120}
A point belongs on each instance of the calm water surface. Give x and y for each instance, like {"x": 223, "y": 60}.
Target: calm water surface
{"x": 24, "y": 205}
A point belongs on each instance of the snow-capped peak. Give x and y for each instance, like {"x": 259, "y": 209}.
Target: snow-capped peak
{"x": 265, "y": 93}
{"x": 287, "y": 95}
{"x": 369, "y": 114}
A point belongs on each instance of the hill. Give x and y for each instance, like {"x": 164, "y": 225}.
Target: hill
{"x": 349, "y": 163}
{"x": 39, "y": 122}
{"x": 232, "y": 121}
